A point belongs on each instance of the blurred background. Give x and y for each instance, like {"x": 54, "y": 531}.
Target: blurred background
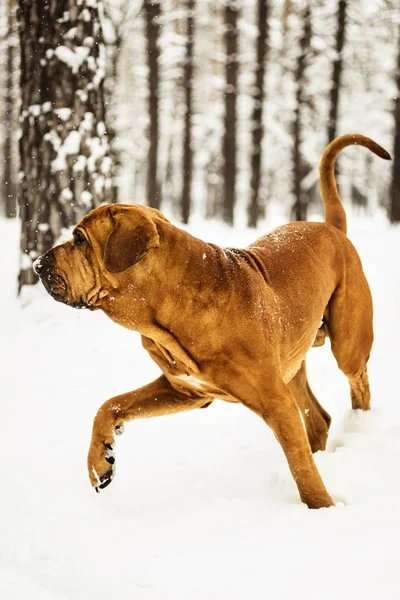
{"x": 202, "y": 108}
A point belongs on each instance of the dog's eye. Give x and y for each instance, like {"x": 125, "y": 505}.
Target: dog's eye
{"x": 79, "y": 239}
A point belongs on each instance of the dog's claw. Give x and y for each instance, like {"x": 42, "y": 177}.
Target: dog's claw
{"x": 110, "y": 454}
{"x": 105, "y": 479}
{"x": 105, "y": 484}
{"x": 119, "y": 430}
{"x": 107, "y": 475}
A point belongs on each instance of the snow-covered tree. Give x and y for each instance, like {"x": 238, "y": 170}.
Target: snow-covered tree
{"x": 9, "y": 104}
{"x": 64, "y": 150}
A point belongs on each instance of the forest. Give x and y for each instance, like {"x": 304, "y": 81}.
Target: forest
{"x": 218, "y": 109}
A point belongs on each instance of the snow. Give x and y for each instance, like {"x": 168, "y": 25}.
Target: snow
{"x": 72, "y": 142}
{"x": 85, "y": 15}
{"x": 82, "y": 95}
{"x": 63, "y": 113}
{"x": 106, "y": 165}
{"x": 86, "y": 198}
{"x": 34, "y": 110}
{"x": 26, "y": 262}
{"x": 99, "y": 182}
{"x": 73, "y": 58}
{"x": 80, "y": 163}
{"x": 71, "y": 33}
{"x": 59, "y": 163}
{"x": 88, "y": 41}
{"x": 53, "y": 138}
{"x": 97, "y": 151}
{"x": 203, "y": 504}
{"x": 67, "y": 194}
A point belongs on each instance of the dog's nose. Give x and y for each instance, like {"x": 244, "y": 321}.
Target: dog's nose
{"x": 43, "y": 262}
{"x": 38, "y": 265}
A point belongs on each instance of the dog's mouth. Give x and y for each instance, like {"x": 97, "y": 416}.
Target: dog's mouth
{"x": 80, "y": 304}
{"x": 54, "y": 284}
{"x": 57, "y": 287}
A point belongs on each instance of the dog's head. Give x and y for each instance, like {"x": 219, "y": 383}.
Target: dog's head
{"x": 106, "y": 243}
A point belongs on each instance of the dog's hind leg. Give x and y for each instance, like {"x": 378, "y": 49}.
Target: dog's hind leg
{"x": 315, "y": 417}
{"x": 351, "y": 333}
{"x": 277, "y": 406}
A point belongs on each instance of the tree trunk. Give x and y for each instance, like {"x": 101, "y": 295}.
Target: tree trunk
{"x": 63, "y": 147}
{"x": 299, "y": 209}
{"x": 257, "y": 119}
{"x": 114, "y": 23}
{"x": 152, "y": 10}
{"x": 10, "y": 167}
{"x": 230, "y": 121}
{"x": 394, "y": 212}
{"x": 186, "y": 200}
{"x": 337, "y": 71}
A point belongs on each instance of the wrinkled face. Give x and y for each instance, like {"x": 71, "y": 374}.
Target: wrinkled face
{"x": 107, "y": 242}
{"x": 71, "y": 273}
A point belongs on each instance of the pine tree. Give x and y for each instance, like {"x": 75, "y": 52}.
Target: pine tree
{"x": 64, "y": 149}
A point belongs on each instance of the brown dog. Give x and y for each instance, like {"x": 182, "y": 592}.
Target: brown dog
{"x": 229, "y": 324}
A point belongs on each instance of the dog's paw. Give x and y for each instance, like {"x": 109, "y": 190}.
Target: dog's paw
{"x": 101, "y": 465}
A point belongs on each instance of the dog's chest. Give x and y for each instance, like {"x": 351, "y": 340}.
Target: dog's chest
{"x": 178, "y": 372}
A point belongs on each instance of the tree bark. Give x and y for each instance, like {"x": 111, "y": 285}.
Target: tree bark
{"x": 65, "y": 167}
{"x": 299, "y": 209}
{"x": 186, "y": 200}
{"x": 10, "y": 167}
{"x": 230, "y": 120}
{"x": 257, "y": 119}
{"x": 152, "y": 10}
{"x": 337, "y": 71}
{"x": 394, "y": 210}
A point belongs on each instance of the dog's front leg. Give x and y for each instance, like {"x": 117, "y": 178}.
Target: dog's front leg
{"x": 155, "y": 399}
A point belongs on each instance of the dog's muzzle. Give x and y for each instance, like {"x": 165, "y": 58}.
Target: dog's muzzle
{"x": 52, "y": 281}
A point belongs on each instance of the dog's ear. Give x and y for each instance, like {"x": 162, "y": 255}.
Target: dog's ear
{"x": 132, "y": 236}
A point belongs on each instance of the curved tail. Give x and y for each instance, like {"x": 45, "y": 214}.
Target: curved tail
{"x": 334, "y": 211}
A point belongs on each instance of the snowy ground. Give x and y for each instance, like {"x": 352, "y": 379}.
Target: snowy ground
{"x": 203, "y": 505}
